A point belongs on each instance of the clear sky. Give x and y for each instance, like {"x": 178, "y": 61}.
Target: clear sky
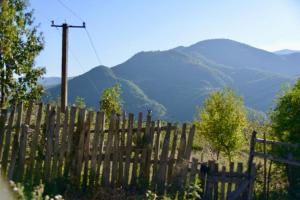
{"x": 121, "y": 28}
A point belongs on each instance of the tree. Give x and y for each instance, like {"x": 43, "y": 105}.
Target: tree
{"x": 285, "y": 122}
{"x": 110, "y": 100}
{"x": 221, "y": 121}
{"x": 79, "y": 102}
{"x": 20, "y": 43}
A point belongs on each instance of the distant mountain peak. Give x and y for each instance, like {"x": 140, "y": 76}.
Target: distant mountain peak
{"x": 286, "y": 51}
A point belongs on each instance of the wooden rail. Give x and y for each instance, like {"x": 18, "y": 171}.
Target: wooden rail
{"x": 41, "y": 144}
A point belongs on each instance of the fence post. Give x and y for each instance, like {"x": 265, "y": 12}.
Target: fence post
{"x": 250, "y": 162}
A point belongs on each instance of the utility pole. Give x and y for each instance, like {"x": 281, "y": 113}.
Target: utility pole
{"x": 64, "y": 62}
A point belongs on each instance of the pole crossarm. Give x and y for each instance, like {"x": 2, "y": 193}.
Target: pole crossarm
{"x": 69, "y": 26}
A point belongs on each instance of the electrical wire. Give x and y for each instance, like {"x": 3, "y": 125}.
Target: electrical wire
{"x": 93, "y": 46}
{"x": 70, "y": 10}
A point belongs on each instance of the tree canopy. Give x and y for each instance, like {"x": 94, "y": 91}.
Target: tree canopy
{"x": 110, "y": 100}
{"x": 20, "y": 43}
{"x": 221, "y": 121}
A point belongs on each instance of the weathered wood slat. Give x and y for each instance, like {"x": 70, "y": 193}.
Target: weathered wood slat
{"x": 115, "y": 148}
{"x": 209, "y": 185}
{"x": 56, "y": 143}
{"x": 215, "y": 183}
{"x": 15, "y": 147}
{"x": 156, "y": 153}
{"x": 229, "y": 187}
{"x": 172, "y": 158}
{"x": 79, "y": 140}
{"x": 108, "y": 151}
{"x": 34, "y": 141}
{"x": 23, "y": 143}
{"x": 3, "y": 117}
{"x": 95, "y": 148}
{"x": 64, "y": 143}
{"x": 100, "y": 150}
{"x": 49, "y": 144}
{"x": 161, "y": 175}
{"x": 272, "y": 142}
{"x": 70, "y": 153}
{"x": 86, "y": 150}
{"x": 7, "y": 145}
{"x": 222, "y": 192}
{"x": 273, "y": 158}
{"x": 128, "y": 150}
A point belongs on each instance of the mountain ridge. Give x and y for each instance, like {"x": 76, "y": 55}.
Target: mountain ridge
{"x": 175, "y": 81}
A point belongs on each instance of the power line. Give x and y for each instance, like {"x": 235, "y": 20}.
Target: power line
{"x": 87, "y": 32}
{"x": 70, "y": 10}
{"x": 93, "y": 46}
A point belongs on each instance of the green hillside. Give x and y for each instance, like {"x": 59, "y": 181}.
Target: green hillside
{"x": 91, "y": 84}
{"x": 174, "y": 82}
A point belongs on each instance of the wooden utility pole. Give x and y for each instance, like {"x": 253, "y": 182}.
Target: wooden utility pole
{"x": 64, "y": 62}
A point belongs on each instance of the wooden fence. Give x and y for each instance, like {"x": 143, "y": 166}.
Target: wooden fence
{"x": 40, "y": 143}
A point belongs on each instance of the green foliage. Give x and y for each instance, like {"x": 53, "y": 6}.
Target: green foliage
{"x": 285, "y": 116}
{"x": 221, "y": 121}
{"x": 79, "y": 102}
{"x": 285, "y": 122}
{"x": 110, "y": 100}
{"x": 20, "y": 43}
{"x": 194, "y": 190}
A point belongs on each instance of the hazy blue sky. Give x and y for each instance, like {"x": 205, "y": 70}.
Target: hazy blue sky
{"x": 121, "y": 28}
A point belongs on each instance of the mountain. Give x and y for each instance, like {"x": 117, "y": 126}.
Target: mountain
{"x": 91, "y": 84}
{"x": 174, "y": 82}
{"x": 48, "y": 82}
{"x": 286, "y": 51}
{"x": 239, "y": 55}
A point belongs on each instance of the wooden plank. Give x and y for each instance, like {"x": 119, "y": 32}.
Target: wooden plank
{"x": 16, "y": 144}
{"x": 156, "y": 153}
{"x": 8, "y": 144}
{"x": 3, "y": 118}
{"x": 100, "y": 150}
{"x": 86, "y": 150}
{"x": 115, "y": 152}
{"x": 203, "y": 175}
{"x": 134, "y": 175}
{"x": 194, "y": 169}
{"x": 236, "y": 194}
{"x": 180, "y": 162}
{"x": 38, "y": 174}
{"x": 215, "y": 183}
{"x": 161, "y": 175}
{"x": 56, "y": 144}
{"x": 222, "y": 192}
{"x": 64, "y": 143}
{"x": 251, "y": 153}
{"x": 189, "y": 145}
{"x": 108, "y": 151}
{"x": 81, "y": 131}
{"x": 23, "y": 142}
{"x": 172, "y": 158}
{"x": 229, "y": 187}
{"x": 128, "y": 150}
{"x": 95, "y": 149}
{"x": 272, "y": 142}
{"x": 122, "y": 149}
{"x": 49, "y": 143}
{"x": 273, "y": 158}
{"x": 145, "y": 169}
{"x": 34, "y": 141}
{"x": 139, "y": 136}
{"x": 70, "y": 153}
{"x": 209, "y": 186}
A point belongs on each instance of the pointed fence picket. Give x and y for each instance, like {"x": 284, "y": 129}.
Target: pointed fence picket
{"x": 41, "y": 144}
